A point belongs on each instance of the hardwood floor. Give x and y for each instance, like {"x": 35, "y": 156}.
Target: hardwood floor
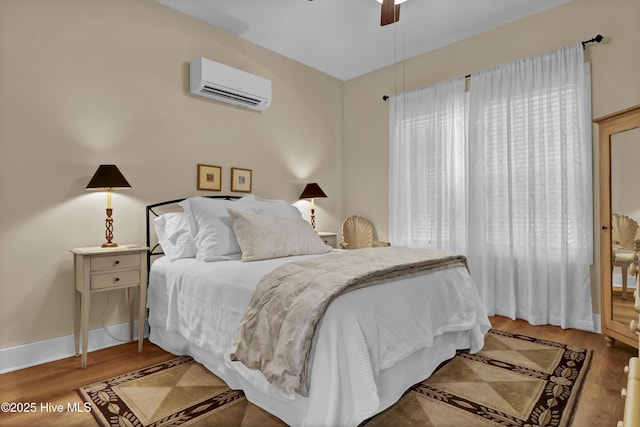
{"x": 622, "y": 309}
{"x": 55, "y": 383}
{"x": 600, "y": 402}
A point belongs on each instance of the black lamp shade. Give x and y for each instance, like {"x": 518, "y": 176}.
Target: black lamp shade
{"x": 312, "y": 191}
{"x": 107, "y": 176}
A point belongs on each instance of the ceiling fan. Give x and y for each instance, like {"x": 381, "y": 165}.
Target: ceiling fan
{"x": 390, "y": 11}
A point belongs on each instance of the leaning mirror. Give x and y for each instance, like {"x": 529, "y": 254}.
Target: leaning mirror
{"x": 625, "y": 218}
{"x": 619, "y": 147}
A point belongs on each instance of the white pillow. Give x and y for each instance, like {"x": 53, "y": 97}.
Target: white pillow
{"x": 270, "y": 207}
{"x": 266, "y": 237}
{"x": 211, "y": 228}
{"x": 174, "y": 235}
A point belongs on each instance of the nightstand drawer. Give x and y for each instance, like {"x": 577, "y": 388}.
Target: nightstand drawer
{"x": 115, "y": 279}
{"x": 110, "y": 262}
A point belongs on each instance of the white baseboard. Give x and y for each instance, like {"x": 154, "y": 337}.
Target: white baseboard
{"x": 27, "y": 355}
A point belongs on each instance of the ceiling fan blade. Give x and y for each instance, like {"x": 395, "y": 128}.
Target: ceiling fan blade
{"x": 390, "y": 12}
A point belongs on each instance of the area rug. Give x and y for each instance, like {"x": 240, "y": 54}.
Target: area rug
{"x": 514, "y": 381}
{"x": 179, "y": 392}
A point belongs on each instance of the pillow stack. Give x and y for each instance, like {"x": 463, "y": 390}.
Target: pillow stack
{"x": 250, "y": 229}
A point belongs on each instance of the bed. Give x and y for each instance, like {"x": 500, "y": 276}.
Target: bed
{"x": 370, "y": 346}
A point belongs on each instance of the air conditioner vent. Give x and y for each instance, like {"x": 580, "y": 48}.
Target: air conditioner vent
{"x": 229, "y": 95}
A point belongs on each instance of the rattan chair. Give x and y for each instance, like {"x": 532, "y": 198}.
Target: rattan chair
{"x": 357, "y": 233}
{"x": 625, "y": 247}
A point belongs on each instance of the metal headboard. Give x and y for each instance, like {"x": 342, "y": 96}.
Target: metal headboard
{"x": 153, "y": 211}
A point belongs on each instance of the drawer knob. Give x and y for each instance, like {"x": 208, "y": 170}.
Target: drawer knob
{"x": 633, "y": 325}
{"x": 623, "y": 393}
{"x": 626, "y": 369}
{"x": 117, "y": 262}
{"x": 117, "y": 279}
{"x": 620, "y": 424}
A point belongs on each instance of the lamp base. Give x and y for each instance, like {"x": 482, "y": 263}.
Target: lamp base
{"x": 109, "y": 231}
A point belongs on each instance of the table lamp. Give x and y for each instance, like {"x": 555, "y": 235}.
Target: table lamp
{"x": 312, "y": 191}
{"x": 107, "y": 178}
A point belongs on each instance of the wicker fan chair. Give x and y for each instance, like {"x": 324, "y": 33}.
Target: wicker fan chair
{"x": 625, "y": 247}
{"x": 357, "y": 233}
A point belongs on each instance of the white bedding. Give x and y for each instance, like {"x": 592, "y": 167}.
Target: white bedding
{"x": 372, "y": 345}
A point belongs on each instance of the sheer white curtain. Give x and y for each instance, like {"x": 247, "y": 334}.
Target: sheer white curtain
{"x": 530, "y": 221}
{"x": 514, "y": 193}
{"x": 428, "y": 167}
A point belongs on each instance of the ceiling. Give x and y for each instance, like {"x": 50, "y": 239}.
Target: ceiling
{"x": 344, "y": 39}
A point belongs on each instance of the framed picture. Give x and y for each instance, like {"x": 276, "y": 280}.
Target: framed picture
{"x": 209, "y": 177}
{"x": 241, "y": 180}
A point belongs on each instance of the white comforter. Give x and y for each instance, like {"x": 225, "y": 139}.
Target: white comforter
{"x": 364, "y": 333}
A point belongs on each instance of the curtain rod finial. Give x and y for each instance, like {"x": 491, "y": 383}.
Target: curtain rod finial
{"x": 597, "y": 39}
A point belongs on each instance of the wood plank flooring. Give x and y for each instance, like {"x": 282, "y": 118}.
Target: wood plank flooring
{"x": 55, "y": 383}
{"x": 622, "y": 309}
{"x": 600, "y": 402}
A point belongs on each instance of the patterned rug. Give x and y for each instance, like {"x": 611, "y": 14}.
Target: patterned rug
{"x": 514, "y": 381}
{"x": 178, "y": 392}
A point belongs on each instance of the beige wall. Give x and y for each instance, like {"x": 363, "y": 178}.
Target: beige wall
{"x": 615, "y": 86}
{"x": 85, "y": 82}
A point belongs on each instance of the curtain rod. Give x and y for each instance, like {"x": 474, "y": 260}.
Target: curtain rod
{"x": 597, "y": 39}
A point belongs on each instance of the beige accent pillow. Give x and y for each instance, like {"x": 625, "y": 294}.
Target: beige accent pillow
{"x": 266, "y": 237}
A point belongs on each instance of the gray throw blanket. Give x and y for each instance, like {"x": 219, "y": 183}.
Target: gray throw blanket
{"x": 277, "y": 333}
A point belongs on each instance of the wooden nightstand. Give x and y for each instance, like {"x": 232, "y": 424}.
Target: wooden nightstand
{"x": 330, "y": 239}
{"x": 100, "y": 269}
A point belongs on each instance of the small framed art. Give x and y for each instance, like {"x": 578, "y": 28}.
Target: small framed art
{"x": 241, "y": 180}
{"x": 209, "y": 177}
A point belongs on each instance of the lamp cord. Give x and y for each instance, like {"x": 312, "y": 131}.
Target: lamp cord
{"x": 102, "y": 321}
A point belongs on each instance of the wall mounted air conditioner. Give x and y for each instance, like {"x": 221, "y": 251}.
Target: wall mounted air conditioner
{"x": 223, "y": 83}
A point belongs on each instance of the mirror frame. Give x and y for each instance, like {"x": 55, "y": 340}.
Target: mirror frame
{"x": 610, "y": 125}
